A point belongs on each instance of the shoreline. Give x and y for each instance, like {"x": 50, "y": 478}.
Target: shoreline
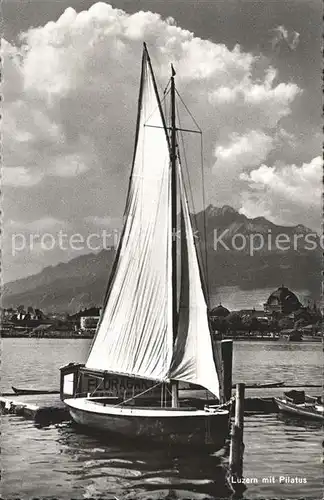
{"x": 90, "y": 335}
{"x": 53, "y": 335}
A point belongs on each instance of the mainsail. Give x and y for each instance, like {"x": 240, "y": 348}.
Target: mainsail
{"x": 135, "y": 332}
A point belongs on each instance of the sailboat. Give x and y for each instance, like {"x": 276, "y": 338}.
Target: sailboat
{"x": 154, "y": 326}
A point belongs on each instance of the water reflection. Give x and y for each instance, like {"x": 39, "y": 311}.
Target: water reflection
{"x": 137, "y": 469}
{"x": 63, "y": 462}
{"x": 298, "y": 423}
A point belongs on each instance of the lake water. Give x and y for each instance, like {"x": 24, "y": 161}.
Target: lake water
{"x": 59, "y": 461}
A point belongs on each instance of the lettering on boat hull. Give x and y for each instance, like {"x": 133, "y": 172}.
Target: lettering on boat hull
{"x": 114, "y": 385}
{"x": 78, "y": 381}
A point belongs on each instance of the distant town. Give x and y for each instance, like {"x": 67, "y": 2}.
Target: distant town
{"x": 282, "y": 316}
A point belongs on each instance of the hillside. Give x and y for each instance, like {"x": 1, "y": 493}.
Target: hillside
{"x": 297, "y": 266}
{"x": 65, "y": 287}
{"x": 82, "y": 281}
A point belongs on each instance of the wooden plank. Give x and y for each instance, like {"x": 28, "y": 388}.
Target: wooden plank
{"x": 227, "y": 363}
{"x": 237, "y": 445}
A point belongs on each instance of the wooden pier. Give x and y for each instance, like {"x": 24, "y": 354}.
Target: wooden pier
{"x": 47, "y": 408}
{"x": 44, "y": 409}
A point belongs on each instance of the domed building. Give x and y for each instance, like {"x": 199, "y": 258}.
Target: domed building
{"x": 282, "y": 301}
{"x": 219, "y": 312}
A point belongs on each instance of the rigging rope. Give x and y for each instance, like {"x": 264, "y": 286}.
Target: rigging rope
{"x": 137, "y": 395}
{"x": 188, "y": 111}
{"x": 205, "y": 218}
{"x": 223, "y": 406}
{"x": 102, "y": 379}
{"x": 203, "y": 258}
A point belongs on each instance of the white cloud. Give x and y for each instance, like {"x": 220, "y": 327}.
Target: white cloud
{"x": 77, "y": 80}
{"x": 282, "y": 34}
{"x": 70, "y": 95}
{"x": 285, "y": 193}
{"x": 42, "y": 224}
{"x": 240, "y": 153}
{"x": 285, "y": 138}
{"x": 19, "y": 176}
{"x": 99, "y": 221}
{"x": 253, "y": 103}
{"x": 243, "y": 151}
{"x": 69, "y": 166}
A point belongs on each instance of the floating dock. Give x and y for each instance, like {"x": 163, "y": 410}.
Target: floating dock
{"x": 44, "y": 409}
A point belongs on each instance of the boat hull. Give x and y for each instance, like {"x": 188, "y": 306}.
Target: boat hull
{"x": 299, "y": 410}
{"x": 30, "y": 392}
{"x": 198, "y": 428}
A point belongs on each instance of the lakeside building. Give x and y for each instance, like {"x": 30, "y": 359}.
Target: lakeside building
{"x": 89, "y": 322}
{"x": 282, "y": 301}
{"x": 219, "y": 312}
{"x": 254, "y": 313}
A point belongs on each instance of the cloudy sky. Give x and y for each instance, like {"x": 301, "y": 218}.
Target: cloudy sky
{"x": 248, "y": 70}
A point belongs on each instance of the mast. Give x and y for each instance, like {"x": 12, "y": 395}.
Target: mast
{"x": 174, "y": 384}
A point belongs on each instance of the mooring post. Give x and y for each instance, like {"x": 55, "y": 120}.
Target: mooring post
{"x": 227, "y": 363}
{"x": 237, "y": 445}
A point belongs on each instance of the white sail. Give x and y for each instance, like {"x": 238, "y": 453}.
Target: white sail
{"x": 193, "y": 353}
{"x": 134, "y": 336}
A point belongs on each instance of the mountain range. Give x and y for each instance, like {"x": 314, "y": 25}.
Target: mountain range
{"x": 220, "y": 232}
